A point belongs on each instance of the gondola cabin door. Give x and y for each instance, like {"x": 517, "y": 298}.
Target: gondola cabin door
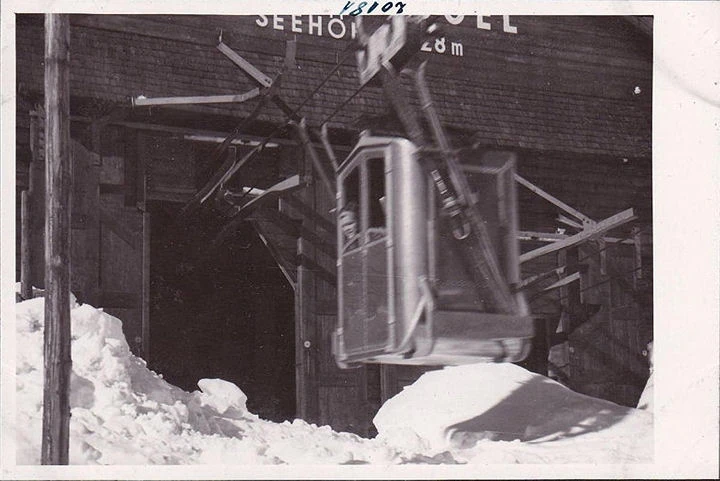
{"x": 365, "y": 252}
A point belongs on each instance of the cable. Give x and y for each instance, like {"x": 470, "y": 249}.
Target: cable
{"x": 346, "y": 54}
{"x": 327, "y": 119}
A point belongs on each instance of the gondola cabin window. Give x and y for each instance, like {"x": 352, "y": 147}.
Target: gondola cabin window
{"x": 349, "y": 217}
{"x": 376, "y": 199}
{"x": 364, "y": 253}
{"x": 362, "y": 214}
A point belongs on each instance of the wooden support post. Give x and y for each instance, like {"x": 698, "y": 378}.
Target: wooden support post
{"x": 36, "y": 196}
{"x": 575, "y": 276}
{"x": 574, "y": 290}
{"x": 201, "y": 99}
{"x": 306, "y": 326}
{"x": 310, "y": 152}
{"x": 56, "y": 400}
{"x": 145, "y": 321}
{"x": 388, "y": 382}
{"x": 328, "y": 148}
{"x": 572, "y": 306}
{"x": 263, "y": 195}
{"x": 566, "y": 220}
{"x": 602, "y": 248}
{"x": 591, "y": 231}
{"x": 529, "y": 281}
{"x": 246, "y": 66}
{"x": 553, "y": 200}
{"x": 25, "y": 254}
{"x": 306, "y": 376}
{"x": 637, "y": 249}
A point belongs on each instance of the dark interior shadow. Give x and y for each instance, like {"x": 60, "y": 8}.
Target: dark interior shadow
{"x": 540, "y": 408}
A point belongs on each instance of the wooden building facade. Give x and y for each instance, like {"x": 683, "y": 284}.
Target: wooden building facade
{"x": 256, "y": 304}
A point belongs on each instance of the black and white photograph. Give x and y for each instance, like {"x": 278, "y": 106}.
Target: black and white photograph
{"x": 363, "y": 239}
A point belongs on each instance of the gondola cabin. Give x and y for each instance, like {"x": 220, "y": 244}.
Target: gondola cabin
{"x": 405, "y": 292}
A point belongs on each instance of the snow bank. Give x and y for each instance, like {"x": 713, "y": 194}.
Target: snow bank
{"x": 504, "y": 413}
{"x": 123, "y": 413}
{"x": 647, "y": 397}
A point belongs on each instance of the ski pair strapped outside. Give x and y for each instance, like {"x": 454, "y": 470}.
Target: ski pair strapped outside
{"x": 452, "y": 186}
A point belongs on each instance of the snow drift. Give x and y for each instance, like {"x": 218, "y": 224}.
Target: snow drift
{"x": 504, "y": 413}
{"x": 123, "y": 413}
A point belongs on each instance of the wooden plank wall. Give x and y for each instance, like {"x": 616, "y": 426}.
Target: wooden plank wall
{"x": 106, "y": 234}
{"x": 560, "y": 82}
{"x": 121, "y": 240}
{"x": 606, "y": 357}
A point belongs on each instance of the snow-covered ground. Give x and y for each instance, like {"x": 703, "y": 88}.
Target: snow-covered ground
{"x": 123, "y": 413}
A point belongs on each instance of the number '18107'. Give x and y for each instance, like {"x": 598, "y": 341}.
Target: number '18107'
{"x": 360, "y": 8}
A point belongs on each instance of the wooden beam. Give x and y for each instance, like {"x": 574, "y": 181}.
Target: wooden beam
{"x": 301, "y": 129}
{"x": 218, "y": 140}
{"x": 190, "y": 131}
{"x": 306, "y": 354}
{"x": 131, "y": 167}
{"x": 25, "y": 251}
{"x": 145, "y": 306}
{"x": 535, "y": 236}
{"x": 637, "y": 273}
{"x": 58, "y": 363}
{"x": 575, "y": 276}
{"x": 288, "y": 271}
{"x": 319, "y": 241}
{"x": 525, "y": 283}
{"x": 230, "y": 165}
{"x": 224, "y": 175}
{"x": 573, "y": 302}
{"x": 589, "y": 232}
{"x": 246, "y": 66}
{"x": 553, "y": 200}
{"x": 566, "y": 220}
{"x": 283, "y": 187}
{"x": 306, "y": 211}
{"x": 37, "y": 220}
{"x": 328, "y": 148}
{"x": 142, "y": 101}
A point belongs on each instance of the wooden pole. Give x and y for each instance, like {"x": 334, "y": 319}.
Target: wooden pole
{"x": 57, "y": 361}
{"x": 306, "y": 321}
{"x": 146, "y": 226}
{"x": 25, "y": 262}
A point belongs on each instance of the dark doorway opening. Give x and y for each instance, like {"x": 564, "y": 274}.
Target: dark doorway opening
{"x": 221, "y": 311}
